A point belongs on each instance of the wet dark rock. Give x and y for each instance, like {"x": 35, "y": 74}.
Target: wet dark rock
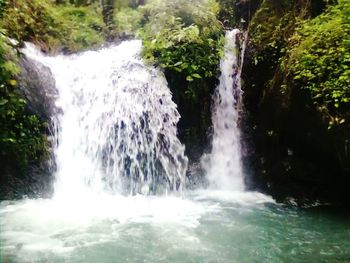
{"x": 35, "y": 182}
{"x": 195, "y": 124}
{"x": 37, "y": 86}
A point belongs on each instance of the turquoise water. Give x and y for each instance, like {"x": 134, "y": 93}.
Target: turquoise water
{"x": 202, "y": 226}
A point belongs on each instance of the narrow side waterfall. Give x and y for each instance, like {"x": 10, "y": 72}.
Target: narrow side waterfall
{"x": 117, "y": 130}
{"x": 223, "y": 165}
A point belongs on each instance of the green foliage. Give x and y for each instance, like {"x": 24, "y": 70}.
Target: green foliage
{"x": 311, "y": 54}
{"x": 52, "y": 26}
{"x": 128, "y": 21}
{"x": 269, "y": 30}
{"x": 184, "y": 37}
{"x": 121, "y": 4}
{"x": 21, "y": 138}
{"x": 227, "y": 14}
{"x": 30, "y": 21}
{"x": 82, "y": 27}
{"x": 319, "y": 61}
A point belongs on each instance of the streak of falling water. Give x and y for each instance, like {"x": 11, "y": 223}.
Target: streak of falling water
{"x": 117, "y": 131}
{"x": 223, "y": 165}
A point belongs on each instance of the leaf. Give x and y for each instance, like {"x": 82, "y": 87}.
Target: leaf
{"x": 178, "y": 63}
{"x": 189, "y": 78}
{"x": 196, "y": 75}
{"x": 10, "y": 140}
{"x": 3, "y": 102}
{"x": 12, "y": 82}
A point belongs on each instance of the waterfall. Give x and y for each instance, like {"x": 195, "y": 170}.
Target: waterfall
{"x": 223, "y": 165}
{"x": 117, "y": 130}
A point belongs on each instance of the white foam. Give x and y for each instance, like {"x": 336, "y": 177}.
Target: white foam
{"x": 60, "y": 227}
{"x": 234, "y": 197}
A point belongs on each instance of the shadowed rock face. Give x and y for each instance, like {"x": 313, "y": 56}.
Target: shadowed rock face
{"x": 37, "y": 86}
{"x": 35, "y": 182}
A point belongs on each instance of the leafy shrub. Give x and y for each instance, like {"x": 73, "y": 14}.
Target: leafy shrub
{"x": 21, "y": 138}
{"x": 30, "y": 21}
{"x": 52, "y": 26}
{"x": 319, "y": 61}
{"x": 82, "y": 27}
{"x": 128, "y": 21}
{"x": 183, "y": 36}
{"x": 269, "y": 30}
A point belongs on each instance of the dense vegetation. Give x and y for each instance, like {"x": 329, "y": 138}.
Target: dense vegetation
{"x": 21, "y": 138}
{"x": 184, "y": 36}
{"x": 311, "y": 53}
{"x": 318, "y": 60}
{"x": 53, "y": 26}
{"x": 296, "y": 76}
{"x": 299, "y": 103}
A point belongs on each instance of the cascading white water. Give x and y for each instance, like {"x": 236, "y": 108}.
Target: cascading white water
{"x": 223, "y": 165}
{"x": 109, "y": 100}
{"x": 117, "y": 130}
